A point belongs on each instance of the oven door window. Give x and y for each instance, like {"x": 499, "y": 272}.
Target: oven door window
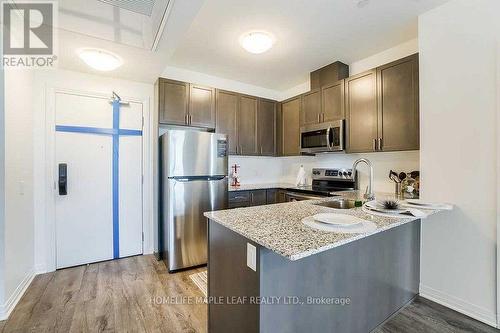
{"x": 314, "y": 139}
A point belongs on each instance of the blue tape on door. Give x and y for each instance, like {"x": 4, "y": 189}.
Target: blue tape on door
{"x": 115, "y": 132}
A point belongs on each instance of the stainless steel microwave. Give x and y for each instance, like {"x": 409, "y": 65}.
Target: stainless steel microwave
{"x": 322, "y": 138}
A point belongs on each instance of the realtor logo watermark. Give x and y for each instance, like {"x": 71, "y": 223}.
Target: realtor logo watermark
{"x": 28, "y": 37}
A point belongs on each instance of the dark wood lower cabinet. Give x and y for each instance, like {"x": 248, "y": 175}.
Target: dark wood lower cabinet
{"x": 378, "y": 274}
{"x": 239, "y": 199}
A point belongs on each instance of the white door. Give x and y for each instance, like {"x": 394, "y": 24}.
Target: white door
{"x": 100, "y": 143}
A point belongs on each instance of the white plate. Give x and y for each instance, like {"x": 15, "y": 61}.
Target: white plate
{"x": 337, "y": 219}
{"x": 377, "y": 205}
{"x": 428, "y": 205}
{"x": 360, "y": 228}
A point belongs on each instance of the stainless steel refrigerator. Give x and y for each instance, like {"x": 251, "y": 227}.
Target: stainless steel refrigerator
{"x": 193, "y": 181}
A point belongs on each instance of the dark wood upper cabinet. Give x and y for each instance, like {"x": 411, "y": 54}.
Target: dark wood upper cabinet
{"x": 226, "y": 116}
{"x": 201, "y": 106}
{"x": 311, "y": 108}
{"x": 247, "y": 126}
{"x": 361, "y": 112}
{"x": 290, "y": 126}
{"x": 382, "y": 107}
{"x": 399, "y": 105}
{"x": 332, "y": 101}
{"x": 266, "y": 127}
{"x": 173, "y": 102}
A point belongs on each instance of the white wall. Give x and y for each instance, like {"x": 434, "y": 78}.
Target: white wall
{"x": 44, "y": 82}
{"x": 2, "y": 190}
{"x": 394, "y": 53}
{"x": 258, "y": 170}
{"x": 19, "y": 221}
{"x": 180, "y": 74}
{"x": 458, "y": 154}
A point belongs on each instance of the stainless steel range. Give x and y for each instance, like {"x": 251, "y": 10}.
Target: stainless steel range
{"x": 324, "y": 183}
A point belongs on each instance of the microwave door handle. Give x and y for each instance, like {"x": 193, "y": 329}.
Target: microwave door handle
{"x": 328, "y": 142}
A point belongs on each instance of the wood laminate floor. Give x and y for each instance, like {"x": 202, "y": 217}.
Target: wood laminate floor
{"x": 138, "y": 295}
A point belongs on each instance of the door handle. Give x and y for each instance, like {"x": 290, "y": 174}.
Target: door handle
{"x": 374, "y": 144}
{"x": 380, "y": 143}
{"x": 319, "y": 117}
{"x": 190, "y": 119}
{"x": 63, "y": 179}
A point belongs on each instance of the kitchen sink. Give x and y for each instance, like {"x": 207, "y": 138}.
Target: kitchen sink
{"x": 338, "y": 204}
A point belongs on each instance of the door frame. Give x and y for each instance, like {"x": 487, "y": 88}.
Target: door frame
{"x": 50, "y": 192}
{"x": 498, "y": 182}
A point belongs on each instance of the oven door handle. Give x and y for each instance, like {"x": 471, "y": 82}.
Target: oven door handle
{"x": 297, "y": 196}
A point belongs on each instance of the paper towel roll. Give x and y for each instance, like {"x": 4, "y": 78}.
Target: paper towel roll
{"x": 301, "y": 177}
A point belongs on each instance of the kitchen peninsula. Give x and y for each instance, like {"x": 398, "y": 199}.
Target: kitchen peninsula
{"x": 288, "y": 277}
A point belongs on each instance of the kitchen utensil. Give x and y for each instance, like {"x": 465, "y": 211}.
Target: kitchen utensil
{"x": 394, "y": 176}
{"x": 402, "y": 176}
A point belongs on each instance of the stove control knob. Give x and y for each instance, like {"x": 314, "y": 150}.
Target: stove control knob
{"x": 349, "y": 173}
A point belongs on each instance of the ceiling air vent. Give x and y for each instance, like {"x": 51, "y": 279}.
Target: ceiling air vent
{"x": 144, "y": 7}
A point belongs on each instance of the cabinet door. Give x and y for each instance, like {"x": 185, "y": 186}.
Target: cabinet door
{"x": 290, "y": 123}
{"x": 226, "y": 123}
{"x": 201, "y": 106}
{"x": 258, "y": 197}
{"x": 272, "y": 196}
{"x": 266, "y": 127}
{"x": 247, "y": 126}
{"x": 361, "y": 104}
{"x": 311, "y": 107}
{"x": 281, "y": 196}
{"x": 173, "y": 102}
{"x": 399, "y": 104}
{"x": 332, "y": 101}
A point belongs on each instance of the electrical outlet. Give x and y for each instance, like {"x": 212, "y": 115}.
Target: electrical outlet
{"x": 252, "y": 257}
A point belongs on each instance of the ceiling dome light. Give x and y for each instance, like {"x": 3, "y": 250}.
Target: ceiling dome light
{"x": 256, "y": 41}
{"x": 100, "y": 60}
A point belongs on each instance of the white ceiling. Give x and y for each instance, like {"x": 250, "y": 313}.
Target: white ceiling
{"x": 202, "y": 36}
{"x": 94, "y": 24}
{"x": 309, "y": 35}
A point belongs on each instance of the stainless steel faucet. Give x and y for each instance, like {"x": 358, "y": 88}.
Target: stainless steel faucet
{"x": 369, "y": 195}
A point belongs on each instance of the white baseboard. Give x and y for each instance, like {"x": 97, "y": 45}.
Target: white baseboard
{"x": 460, "y": 305}
{"x": 10, "y": 304}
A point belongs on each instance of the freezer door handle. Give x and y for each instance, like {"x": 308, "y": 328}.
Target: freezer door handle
{"x": 198, "y": 178}
{"x": 63, "y": 179}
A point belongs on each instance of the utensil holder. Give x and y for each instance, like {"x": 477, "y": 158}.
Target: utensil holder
{"x": 398, "y": 191}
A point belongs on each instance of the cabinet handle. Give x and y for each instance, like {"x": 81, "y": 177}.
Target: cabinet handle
{"x": 380, "y": 143}
{"x": 186, "y": 121}
{"x": 190, "y": 119}
{"x": 319, "y": 117}
{"x": 374, "y": 144}
{"x": 251, "y": 197}
{"x": 261, "y": 150}
{"x": 322, "y": 117}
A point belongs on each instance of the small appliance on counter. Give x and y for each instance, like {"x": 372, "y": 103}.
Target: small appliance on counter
{"x": 235, "y": 177}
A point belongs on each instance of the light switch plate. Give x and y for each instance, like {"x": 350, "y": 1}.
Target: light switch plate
{"x": 252, "y": 257}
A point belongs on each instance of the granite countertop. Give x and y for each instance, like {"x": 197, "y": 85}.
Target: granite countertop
{"x": 279, "y": 227}
{"x": 264, "y": 186}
